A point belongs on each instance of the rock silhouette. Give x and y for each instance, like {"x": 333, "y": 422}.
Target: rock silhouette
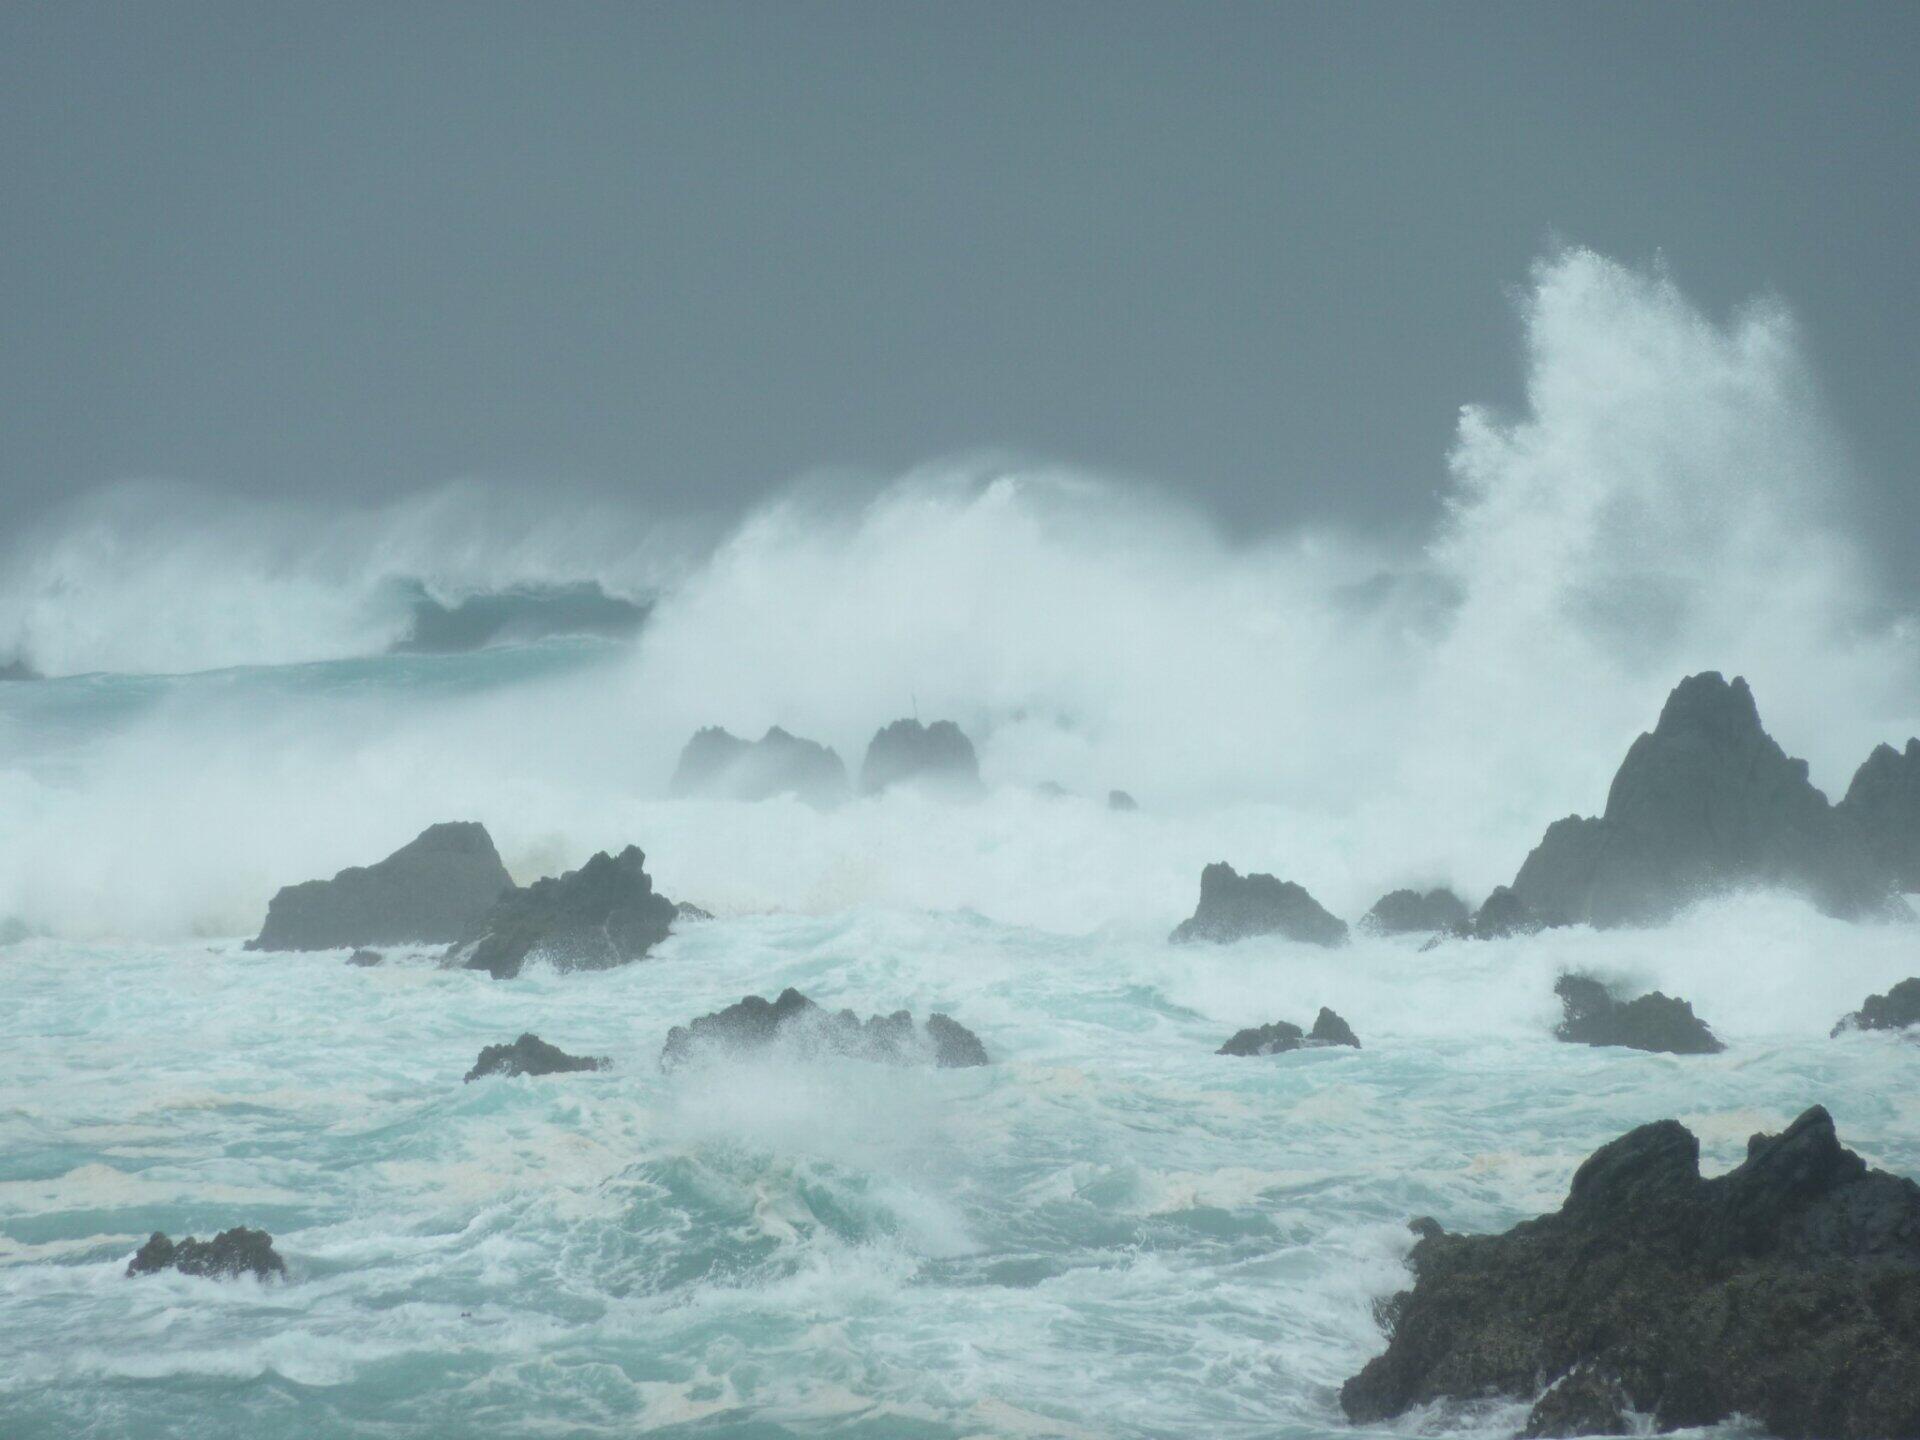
{"x": 1882, "y": 809}
{"x": 1895, "y": 1010}
{"x": 606, "y": 913}
{"x": 936, "y": 758}
{"x": 530, "y": 1055}
{"x": 1402, "y": 912}
{"x": 1649, "y": 1022}
{"x": 720, "y": 765}
{"x": 1234, "y": 907}
{"x": 229, "y": 1255}
{"x": 1280, "y": 1037}
{"x": 795, "y": 1023}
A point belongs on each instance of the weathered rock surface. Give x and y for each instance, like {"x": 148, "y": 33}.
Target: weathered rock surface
{"x": 530, "y": 1055}
{"x": 1589, "y": 1401}
{"x": 1280, "y": 1037}
{"x": 1882, "y": 809}
{"x": 1705, "y": 802}
{"x": 1403, "y": 912}
{"x": 227, "y": 1256}
{"x": 1234, "y": 907}
{"x": 795, "y": 1023}
{"x": 936, "y": 758}
{"x": 722, "y": 766}
{"x": 1648, "y": 1022}
{"x": 1895, "y": 1010}
{"x": 606, "y": 913}
{"x": 1787, "y": 1290}
{"x": 428, "y": 892}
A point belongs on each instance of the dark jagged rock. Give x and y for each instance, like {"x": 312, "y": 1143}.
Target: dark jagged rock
{"x": 1882, "y": 809}
{"x": 722, "y": 766}
{"x": 1649, "y": 1022}
{"x": 366, "y": 958}
{"x": 1787, "y": 1290}
{"x": 1895, "y": 1010}
{"x": 687, "y": 910}
{"x": 937, "y": 758}
{"x": 793, "y": 1021}
{"x": 1588, "y": 1401}
{"x": 606, "y": 913}
{"x": 1501, "y": 915}
{"x": 1403, "y": 912}
{"x": 1121, "y": 800}
{"x": 530, "y": 1055}
{"x": 229, "y": 1255}
{"x": 1280, "y": 1037}
{"x": 1704, "y": 803}
{"x": 428, "y": 892}
{"x": 1233, "y": 907}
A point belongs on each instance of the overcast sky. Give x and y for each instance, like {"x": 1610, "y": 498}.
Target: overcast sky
{"x": 1261, "y": 253}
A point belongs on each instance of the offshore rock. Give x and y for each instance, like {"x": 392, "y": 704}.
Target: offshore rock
{"x": 606, "y": 913}
{"x": 427, "y": 892}
{"x": 1403, "y": 912}
{"x": 1280, "y": 1037}
{"x": 366, "y": 958}
{"x": 794, "y": 1023}
{"x": 1233, "y": 907}
{"x": 936, "y": 758}
{"x": 1706, "y": 802}
{"x": 229, "y": 1255}
{"x": 1653, "y": 1022}
{"x": 530, "y": 1055}
{"x": 1898, "y": 1009}
{"x": 722, "y": 766}
{"x": 1882, "y": 809}
{"x": 1121, "y": 800}
{"x": 1787, "y": 1291}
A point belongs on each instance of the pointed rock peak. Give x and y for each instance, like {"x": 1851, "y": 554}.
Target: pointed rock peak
{"x": 1708, "y": 705}
{"x": 1638, "y": 1169}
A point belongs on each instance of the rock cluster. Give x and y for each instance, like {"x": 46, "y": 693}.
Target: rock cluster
{"x": 938, "y": 759}
{"x": 1234, "y": 907}
{"x": 227, "y": 1256}
{"x": 1280, "y": 1036}
{"x": 428, "y": 892}
{"x": 794, "y": 1022}
{"x": 1592, "y": 1016}
{"x": 1898, "y": 1009}
{"x": 1787, "y": 1290}
{"x": 530, "y": 1055}
{"x": 720, "y": 765}
{"x": 1405, "y": 912}
{"x": 606, "y": 913}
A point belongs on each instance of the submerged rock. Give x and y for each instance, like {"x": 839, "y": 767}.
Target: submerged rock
{"x": 1895, "y": 1010}
{"x": 793, "y": 1021}
{"x": 1705, "y": 802}
{"x": 722, "y": 766}
{"x": 1403, "y": 912}
{"x": 1882, "y": 809}
{"x": 1121, "y": 800}
{"x": 603, "y": 914}
{"x": 1233, "y": 907}
{"x": 1649, "y": 1022}
{"x": 937, "y": 758}
{"x": 530, "y": 1055}
{"x": 1787, "y": 1291}
{"x": 427, "y": 892}
{"x": 227, "y": 1256}
{"x": 1280, "y": 1037}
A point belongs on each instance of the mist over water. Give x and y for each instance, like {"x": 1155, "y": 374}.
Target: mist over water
{"x": 1109, "y": 1232}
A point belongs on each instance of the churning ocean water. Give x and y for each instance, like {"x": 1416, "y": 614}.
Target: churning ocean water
{"x": 1109, "y": 1231}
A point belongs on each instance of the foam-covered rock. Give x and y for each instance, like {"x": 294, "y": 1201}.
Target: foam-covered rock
{"x": 719, "y": 765}
{"x": 1592, "y": 1015}
{"x": 938, "y": 759}
{"x": 1898, "y": 1009}
{"x": 1404, "y": 912}
{"x": 530, "y": 1055}
{"x": 229, "y": 1255}
{"x": 1235, "y": 907}
{"x": 606, "y": 913}
{"x": 795, "y": 1024}
{"x": 1281, "y": 1036}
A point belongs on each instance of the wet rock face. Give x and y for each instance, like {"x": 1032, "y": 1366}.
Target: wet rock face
{"x": 1898, "y": 1009}
{"x": 1704, "y": 803}
{"x": 229, "y": 1255}
{"x": 722, "y": 766}
{"x": 756, "y": 1025}
{"x": 1404, "y": 912}
{"x": 936, "y": 758}
{"x": 1280, "y": 1037}
{"x": 1234, "y": 907}
{"x": 1649, "y": 1022}
{"x": 1882, "y": 810}
{"x": 603, "y": 914}
{"x": 1787, "y": 1290}
{"x": 428, "y": 892}
{"x": 530, "y": 1055}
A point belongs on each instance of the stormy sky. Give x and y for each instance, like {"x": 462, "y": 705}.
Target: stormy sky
{"x": 1260, "y": 253}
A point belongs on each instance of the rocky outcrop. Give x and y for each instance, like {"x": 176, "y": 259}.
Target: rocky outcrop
{"x": 718, "y": 765}
{"x": 1592, "y": 1016}
{"x": 428, "y": 892}
{"x": 229, "y": 1255}
{"x": 1704, "y": 803}
{"x": 1882, "y": 810}
{"x": 795, "y": 1024}
{"x": 1405, "y": 912}
{"x": 1898, "y": 1009}
{"x": 606, "y": 913}
{"x": 366, "y": 959}
{"x": 1787, "y": 1290}
{"x": 1280, "y": 1037}
{"x": 1234, "y": 907}
{"x": 1121, "y": 800}
{"x": 530, "y": 1055}
{"x": 936, "y": 758}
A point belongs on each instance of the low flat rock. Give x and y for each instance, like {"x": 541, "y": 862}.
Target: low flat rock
{"x": 229, "y": 1255}
{"x": 795, "y": 1024}
{"x": 1592, "y": 1015}
{"x": 1282, "y": 1036}
{"x": 1236, "y": 907}
{"x": 530, "y": 1055}
{"x": 1898, "y": 1009}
